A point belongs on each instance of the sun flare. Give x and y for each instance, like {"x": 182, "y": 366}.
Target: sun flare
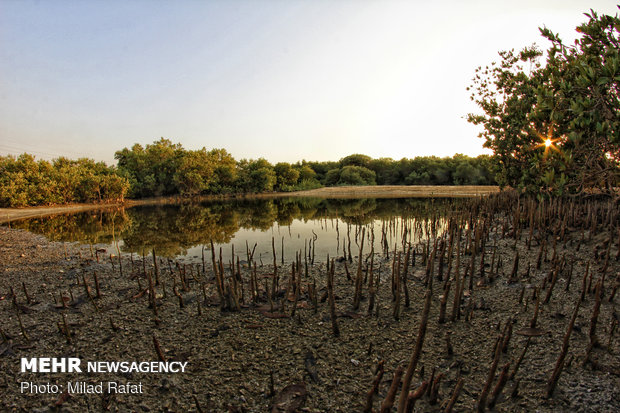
{"x": 547, "y": 141}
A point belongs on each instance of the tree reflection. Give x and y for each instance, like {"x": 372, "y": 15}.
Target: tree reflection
{"x": 92, "y": 227}
{"x": 173, "y": 229}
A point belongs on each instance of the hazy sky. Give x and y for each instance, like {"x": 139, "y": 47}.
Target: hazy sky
{"x": 281, "y": 79}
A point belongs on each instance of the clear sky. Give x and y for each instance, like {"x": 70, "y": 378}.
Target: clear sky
{"x": 281, "y": 79}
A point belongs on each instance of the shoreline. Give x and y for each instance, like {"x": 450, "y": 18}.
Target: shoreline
{"x": 374, "y": 191}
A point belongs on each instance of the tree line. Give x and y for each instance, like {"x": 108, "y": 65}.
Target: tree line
{"x": 25, "y": 181}
{"x": 164, "y": 168}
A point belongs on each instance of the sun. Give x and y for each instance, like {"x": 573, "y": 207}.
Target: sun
{"x": 548, "y": 142}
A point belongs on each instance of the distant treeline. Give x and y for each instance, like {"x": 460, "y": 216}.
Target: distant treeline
{"x": 164, "y": 168}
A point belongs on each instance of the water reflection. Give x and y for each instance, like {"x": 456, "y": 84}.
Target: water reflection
{"x": 183, "y": 230}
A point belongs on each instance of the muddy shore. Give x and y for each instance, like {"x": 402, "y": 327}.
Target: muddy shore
{"x": 243, "y": 361}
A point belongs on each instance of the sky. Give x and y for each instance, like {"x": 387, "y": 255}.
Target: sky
{"x": 283, "y": 80}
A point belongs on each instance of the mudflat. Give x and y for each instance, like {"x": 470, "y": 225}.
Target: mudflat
{"x": 267, "y": 348}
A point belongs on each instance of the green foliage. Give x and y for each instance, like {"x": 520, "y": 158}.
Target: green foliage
{"x": 306, "y": 173}
{"x": 166, "y": 168}
{"x": 151, "y": 170}
{"x": 286, "y": 175}
{"x": 255, "y": 176}
{"x": 573, "y": 100}
{"x": 350, "y": 175}
{"x": 27, "y": 182}
{"x": 356, "y": 175}
{"x": 356, "y": 160}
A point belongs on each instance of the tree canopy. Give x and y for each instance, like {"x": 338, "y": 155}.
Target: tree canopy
{"x": 554, "y": 127}
{"x": 164, "y": 168}
{"x": 25, "y": 181}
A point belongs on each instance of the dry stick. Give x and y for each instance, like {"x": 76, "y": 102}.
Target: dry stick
{"x": 434, "y": 393}
{"x": 396, "y": 272}
{"x": 455, "y": 395}
{"x": 114, "y": 326}
{"x": 156, "y": 268}
{"x": 198, "y": 408}
{"x": 503, "y": 377}
{"x": 553, "y": 281}
{"x": 615, "y": 289}
{"x": 449, "y": 349}
{"x": 97, "y": 288}
{"x": 485, "y": 391}
{"x": 386, "y": 406}
{"x": 332, "y": 299}
{"x": 540, "y": 254}
{"x": 160, "y": 353}
{"x": 274, "y": 281}
{"x": 371, "y": 284}
{"x": 120, "y": 261}
{"x": 444, "y": 301}
{"x": 560, "y": 363}
{"x": 28, "y": 299}
{"x": 492, "y": 272}
{"x": 90, "y": 296}
{"x": 593, "y": 322}
{"x": 521, "y": 295}
{"x": 374, "y": 388}
{"x": 358, "y": 280}
{"x": 570, "y": 276}
{"x": 414, "y": 396}
{"x": 442, "y": 252}
{"x": 404, "y": 277}
{"x": 583, "y": 282}
{"x": 430, "y": 381}
{"x": 179, "y": 296}
{"x": 256, "y": 283}
{"x": 218, "y": 278}
{"x": 66, "y": 328}
{"x": 297, "y": 285}
{"x": 21, "y": 325}
{"x": 535, "y": 317}
{"x": 515, "y": 269}
{"x": 520, "y": 359}
{"x": 507, "y": 334}
{"x": 402, "y": 401}
{"x": 346, "y": 270}
{"x": 143, "y": 264}
{"x": 204, "y": 266}
{"x": 457, "y": 293}
{"x": 152, "y": 298}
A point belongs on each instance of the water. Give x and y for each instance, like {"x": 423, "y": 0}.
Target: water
{"x": 316, "y": 227}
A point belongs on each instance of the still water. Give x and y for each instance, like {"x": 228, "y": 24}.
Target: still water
{"x": 288, "y": 225}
